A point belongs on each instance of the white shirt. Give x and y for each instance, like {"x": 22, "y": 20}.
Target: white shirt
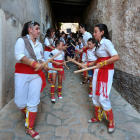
{"x": 47, "y": 43}
{"x": 81, "y": 46}
{"x": 77, "y": 46}
{"x": 62, "y": 39}
{"x": 91, "y": 55}
{"x": 106, "y": 49}
{"x": 21, "y": 51}
{"x": 86, "y": 37}
{"x": 59, "y": 57}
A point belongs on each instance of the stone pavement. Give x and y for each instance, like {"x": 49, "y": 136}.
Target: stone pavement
{"x": 67, "y": 118}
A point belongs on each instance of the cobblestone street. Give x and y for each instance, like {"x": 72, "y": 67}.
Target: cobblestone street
{"x": 67, "y": 118}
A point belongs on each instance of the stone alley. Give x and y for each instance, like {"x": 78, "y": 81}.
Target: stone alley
{"x": 67, "y": 118}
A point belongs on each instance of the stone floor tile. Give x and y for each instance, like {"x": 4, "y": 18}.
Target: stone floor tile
{"x": 43, "y": 128}
{"x": 88, "y": 136}
{"x": 121, "y": 117}
{"x": 40, "y": 118}
{"x": 46, "y": 136}
{"x": 75, "y": 136}
{"x": 61, "y": 131}
{"x": 6, "y": 125}
{"x": 70, "y": 121}
{"x": 131, "y": 111}
{"x": 6, "y": 136}
{"x": 84, "y": 122}
{"x": 94, "y": 127}
{"x": 133, "y": 138}
{"x": 20, "y": 129}
{"x": 53, "y": 120}
{"x": 117, "y": 135}
{"x": 61, "y": 115}
{"x": 16, "y": 116}
{"x": 76, "y": 127}
{"x": 133, "y": 127}
{"x": 57, "y": 105}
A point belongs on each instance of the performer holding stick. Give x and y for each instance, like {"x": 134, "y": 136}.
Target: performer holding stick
{"x": 86, "y": 36}
{"x": 103, "y": 76}
{"x": 28, "y": 82}
{"x": 58, "y": 62}
{"x": 91, "y": 57}
{"x": 48, "y": 48}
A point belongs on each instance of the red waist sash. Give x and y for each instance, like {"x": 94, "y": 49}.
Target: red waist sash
{"x": 26, "y": 69}
{"x": 85, "y": 50}
{"x": 102, "y": 78}
{"x": 48, "y": 49}
{"x": 61, "y": 67}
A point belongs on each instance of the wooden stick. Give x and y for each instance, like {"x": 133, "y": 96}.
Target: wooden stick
{"x": 73, "y": 60}
{"x": 44, "y": 63}
{"x": 66, "y": 67}
{"x": 55, "y": 69}
{"x": 74, "y": 46}
{"x": 90, "y": 68}
{"x": 67, "y": 51}
{"x": 67, "y": 61}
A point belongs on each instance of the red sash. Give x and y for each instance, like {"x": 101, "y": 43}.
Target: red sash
{"x": 48, "y": 49}
{"x": 60, "y": 66}
{"x": 85, "y": 50}
{"x": 102, "y": 78}
{"x": 26, "y": 69}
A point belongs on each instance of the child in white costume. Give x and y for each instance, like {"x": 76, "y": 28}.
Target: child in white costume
{"x": 49, "y": 46}
{"x": 103, "y": 76}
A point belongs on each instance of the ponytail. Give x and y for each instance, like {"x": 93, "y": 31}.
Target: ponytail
{"x": 26, "y": 27}
{"x": 103, "y": 27}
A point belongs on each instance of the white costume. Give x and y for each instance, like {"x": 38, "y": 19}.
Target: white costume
{"x": 91, "y": 55}
{"x": 27, "y": 86}
{"x": 86, "y": 37}
{"x": 59, "y": 57}
{"x": 62, "y": 39}
{"x": 106, "y": 49}
{"x": 47, "y": 51}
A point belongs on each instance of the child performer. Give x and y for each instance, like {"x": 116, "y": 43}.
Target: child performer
{"x": 91, "y": 57}
{"x": 48, "y": 48}
{"x": 58, "y": 62}
{"x": 103, "y": 76}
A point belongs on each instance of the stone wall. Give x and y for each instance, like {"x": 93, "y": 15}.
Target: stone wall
{"x": 123, "y": 20}
{"x": 13, "y": 15}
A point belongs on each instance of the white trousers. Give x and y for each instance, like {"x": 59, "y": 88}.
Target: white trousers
{"x": 101, "y": 100}
{"x": 27, "y": 91}
{"x": 46, "y": 56}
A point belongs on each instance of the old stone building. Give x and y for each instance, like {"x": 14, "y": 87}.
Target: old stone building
{"x": 13, "y": 15}
{"x": 121, "y": 16}
{"x": 123, "y": 20}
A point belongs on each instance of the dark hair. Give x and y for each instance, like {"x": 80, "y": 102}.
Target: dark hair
{"x": 57, "y": 42}
{"x": 93, "y": 41}
{"x": 26, "y": 27}
{"x": 57, "y": 34}
{"x": 103, "y": 27}
{"x": 84, "y": 26}
{"x": 49, "y": 32}
{"x": 62, "y": 33}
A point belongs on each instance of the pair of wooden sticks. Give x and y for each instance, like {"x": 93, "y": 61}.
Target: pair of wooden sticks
{"x": 79, "y": 64}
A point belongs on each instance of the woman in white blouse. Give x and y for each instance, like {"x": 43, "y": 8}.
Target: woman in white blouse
{"x": 28, "y": 82}
{"x": 49, "y": 46}
{"x": 103, "y": 76}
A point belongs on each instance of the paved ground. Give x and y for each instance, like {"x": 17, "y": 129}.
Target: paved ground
{"x": 67, "y": 118}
